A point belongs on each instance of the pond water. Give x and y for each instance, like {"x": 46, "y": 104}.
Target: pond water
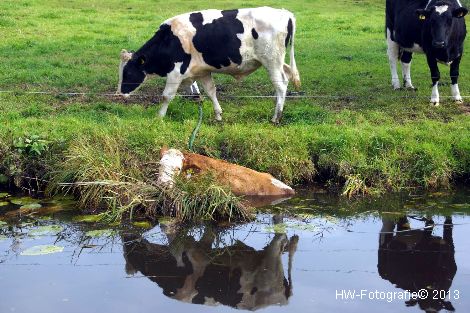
{"x": 315, "y": 252}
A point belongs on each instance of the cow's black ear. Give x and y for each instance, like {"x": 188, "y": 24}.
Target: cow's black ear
{"x": 422, "y": 14}
{"x": 459, "y": 12}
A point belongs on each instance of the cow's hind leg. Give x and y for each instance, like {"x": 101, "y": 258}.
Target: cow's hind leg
{"x": 209, "y": 86}
{"x": 280, "y": 82}
{"x": 454, "y": 76}
{"x": 169, "y": 93}
{"x": 406, "y": 69}
{"x": 393, "y": 52}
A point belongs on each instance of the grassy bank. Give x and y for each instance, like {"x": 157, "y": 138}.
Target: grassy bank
{"x": 352, "y": 132}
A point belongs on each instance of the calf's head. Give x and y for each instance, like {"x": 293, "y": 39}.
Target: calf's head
{"x": 131, "y": 72}
{"x": 440, "y": 16}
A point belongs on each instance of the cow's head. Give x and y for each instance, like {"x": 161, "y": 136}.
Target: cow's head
{"x": 131, "y": 72}
{"x": 440, "y": 16}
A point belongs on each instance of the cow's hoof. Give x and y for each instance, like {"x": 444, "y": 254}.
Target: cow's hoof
{"x": 411, "y": 87}
{"x": 218, "y": 118}
{"x": 435, "y": 103}
{"x": 275, "y": 121}
{"x": 458, "y": 101}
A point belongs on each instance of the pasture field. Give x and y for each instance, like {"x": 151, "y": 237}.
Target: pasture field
{"x": 351, "y": 131}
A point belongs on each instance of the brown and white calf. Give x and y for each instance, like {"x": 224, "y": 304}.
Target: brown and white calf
{"x": 241, "y": 180}
{"x": 191, "y": 46}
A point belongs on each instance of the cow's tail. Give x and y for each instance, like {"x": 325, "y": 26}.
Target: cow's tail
{"x": 294, "y": 73}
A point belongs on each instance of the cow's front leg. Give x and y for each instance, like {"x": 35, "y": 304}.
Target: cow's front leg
{"x": 406, "y": 69}
{"x": 393, "y": 52}
{"x": 191, "y": 89}
{"x": 169, "y": 93}
{"x": 454, "y": 76}
{"x": 435, "y": 76}
{"x": 209, "y": 86}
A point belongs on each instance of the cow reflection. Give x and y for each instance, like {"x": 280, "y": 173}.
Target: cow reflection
{"x": 415, "y": 259}
{"x": 195, "y": 272}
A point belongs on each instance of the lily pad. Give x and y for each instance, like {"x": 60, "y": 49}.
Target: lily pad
{"x": 46, "y": 230}
{"x": 143, "y": 224}
{"x": 88, "y": 218}
{"x": 2, "y": 223}
{"x": 4, "y": 203}
{"x": 456, "y": 205}
{"x": 4, "y": 195}
{"x": 31, "y": 206}
{"x": 66, "y": 201}
{"x": 42, "y": 249}
{"x": 23, "y": 200}
{"x": 277, "y": 228}
{"x": 99, "y": 233}
{"x": 2, "y": 238}
{"x": 305, "y": 227}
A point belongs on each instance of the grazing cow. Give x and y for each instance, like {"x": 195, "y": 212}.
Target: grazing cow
{"x": 195, "y": 272}
{"x": 241, "y": 180}
{"x": 190, "y": 47}
{"x": 433, "y": 27}
{"x": 415, "y": 259}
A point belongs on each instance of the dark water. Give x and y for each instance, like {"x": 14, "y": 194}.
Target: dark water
{"x": 307, "y": 254}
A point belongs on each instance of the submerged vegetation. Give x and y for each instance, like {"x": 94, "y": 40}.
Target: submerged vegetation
{"x": 351, "y": 133}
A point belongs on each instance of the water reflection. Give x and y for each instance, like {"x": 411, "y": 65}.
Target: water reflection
{"x": 193, "y": 271}
{"x": 415, "y": 259}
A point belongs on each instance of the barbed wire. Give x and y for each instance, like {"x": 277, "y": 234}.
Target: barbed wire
{"x": 292, "y": 95}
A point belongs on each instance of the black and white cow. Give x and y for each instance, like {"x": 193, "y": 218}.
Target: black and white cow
{"x": 190, "y": 47}
{"x": 433, "y": 27}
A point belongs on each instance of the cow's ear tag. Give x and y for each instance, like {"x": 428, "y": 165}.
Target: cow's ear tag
{"x": 142, "y": 61}
{"x": 461, "y": 14}
{"x": 422, "y": 17}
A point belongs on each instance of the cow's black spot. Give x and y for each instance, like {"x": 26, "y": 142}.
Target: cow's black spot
{"x": 162, "y": 52}
{"x": 218, "y": 41}
{"x": 289, "y": 32}
{"x": 196, "y": 19}
{"x": 254, "y": 33}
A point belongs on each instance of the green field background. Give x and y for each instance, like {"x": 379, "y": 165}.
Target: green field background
{"x": 351, "y": 127}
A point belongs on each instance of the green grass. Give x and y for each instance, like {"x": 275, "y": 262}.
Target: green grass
{"x": 354, "y": 132}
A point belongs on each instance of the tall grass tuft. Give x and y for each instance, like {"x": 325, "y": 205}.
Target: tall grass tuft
{"x": 105, "y": 176}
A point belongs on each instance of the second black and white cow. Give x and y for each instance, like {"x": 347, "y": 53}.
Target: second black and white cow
{"x": 190, "y": 47}
{"x": 433, "y": 27}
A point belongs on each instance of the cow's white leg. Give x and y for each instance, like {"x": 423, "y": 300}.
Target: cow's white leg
{"x": 454, "y": 89}
{"x": 406, "y": 69}
{"x": 194, "y": 89}
{"x": 209, "y": 86}
{"x": 435, "y": 94}
{"x": 280, "y": 82}
{"x": 169, "y": 93}
{"x": 393, "y": 52}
